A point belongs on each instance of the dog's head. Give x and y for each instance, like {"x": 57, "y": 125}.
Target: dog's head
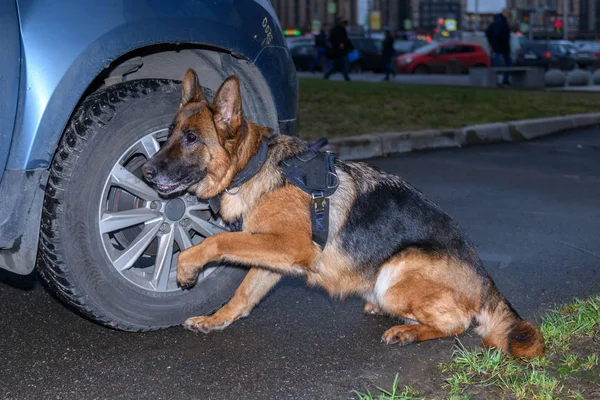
{"x": 198, "y": 152}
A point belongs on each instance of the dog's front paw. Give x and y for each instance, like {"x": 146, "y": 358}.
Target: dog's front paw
{"x": 205, "y": 324}
{"x": 187, "y": 271}
{"x": 186, "y": 280}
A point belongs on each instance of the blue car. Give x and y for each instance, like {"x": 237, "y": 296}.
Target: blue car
{"x": 89, "y": 89}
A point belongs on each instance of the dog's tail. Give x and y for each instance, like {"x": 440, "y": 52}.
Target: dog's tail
{"x": 502, "y": 328}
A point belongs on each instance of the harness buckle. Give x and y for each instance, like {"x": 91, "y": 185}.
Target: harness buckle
{"x": 319, "y": 202}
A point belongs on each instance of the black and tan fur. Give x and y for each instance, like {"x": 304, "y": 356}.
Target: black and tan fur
{"x": 387, "y": 242}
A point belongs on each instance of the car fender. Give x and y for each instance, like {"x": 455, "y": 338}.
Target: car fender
{"x": 67, "y": 44}
{"x": 9, "y": 76}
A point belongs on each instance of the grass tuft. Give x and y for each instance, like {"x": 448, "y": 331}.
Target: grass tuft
{"x": 409, "y": 393}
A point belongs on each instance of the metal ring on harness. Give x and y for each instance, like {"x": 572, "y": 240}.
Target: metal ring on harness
{"x": 337, "y": 181}
{"x": 231, "y": 193}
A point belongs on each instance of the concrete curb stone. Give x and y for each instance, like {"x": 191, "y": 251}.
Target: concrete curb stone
{"x": 384, "y": 144}
{"x": 353, "y": 147}
{"x": 532, "y": 128}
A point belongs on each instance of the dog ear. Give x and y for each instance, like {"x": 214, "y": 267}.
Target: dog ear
{"x": 227, "y": 103}
{"x": 190, "y": 89}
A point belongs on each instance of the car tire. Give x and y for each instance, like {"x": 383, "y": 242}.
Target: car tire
{"x": 421, "y": 70}
{"x": 75, "y": 258}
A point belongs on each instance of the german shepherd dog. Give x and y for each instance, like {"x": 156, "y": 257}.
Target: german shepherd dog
{"x": 387, "y": 242}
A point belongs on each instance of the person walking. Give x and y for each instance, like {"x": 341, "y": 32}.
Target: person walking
{"x": 498, "y": 35}
{"x": 338, "y": 52}
{"x": 321, "y": 46}
{"x": 387, "y": 53}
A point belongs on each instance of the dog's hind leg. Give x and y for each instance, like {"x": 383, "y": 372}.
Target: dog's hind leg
{"x": 434, "y": 308}
{"x": 254, "y": 287}
{"x": 437, "y": 292}
{"x": 406, "y": 334}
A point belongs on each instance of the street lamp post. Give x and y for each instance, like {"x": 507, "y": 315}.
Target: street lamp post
{"x": 476, "y": 15}
{"x": 566, "y": 20}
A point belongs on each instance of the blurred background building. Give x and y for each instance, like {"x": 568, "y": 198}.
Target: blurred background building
{"x": 544, "y": 18}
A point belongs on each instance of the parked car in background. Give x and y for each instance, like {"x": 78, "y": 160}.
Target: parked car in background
{"x": 588, "y": 55}
{"x": 436, "y": 57}
{"x": 516, "y": 41}
{"x": 89, "y": 90}
{"x": 546, "y": 54}
{"x": 369, "y": 49}
{"x": 293, "y": 41}
{"x": 303, "y": 55}
{"x": 407, "y": 46}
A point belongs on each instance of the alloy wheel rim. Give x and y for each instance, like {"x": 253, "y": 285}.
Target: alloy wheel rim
{"x": 143, "y": 233}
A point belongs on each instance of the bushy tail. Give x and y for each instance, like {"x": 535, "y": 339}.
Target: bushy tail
{"x": 502, "y": 328}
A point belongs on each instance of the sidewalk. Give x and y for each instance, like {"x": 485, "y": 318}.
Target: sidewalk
{"x": 590, "y": 88}
{"x": 430, "y": 79}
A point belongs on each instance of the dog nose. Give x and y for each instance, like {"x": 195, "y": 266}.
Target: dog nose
{"x": 149, "y": 171}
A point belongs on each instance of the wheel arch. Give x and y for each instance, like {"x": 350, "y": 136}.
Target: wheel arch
{"x": 156, "y": 61}
{"x": 18, "y": 245}
{"x": 103, "y": 38}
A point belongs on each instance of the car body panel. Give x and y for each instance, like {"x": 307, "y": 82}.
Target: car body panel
{"x": 407, "y": 46}
{"x": 588, "y": 54}
{"x": 280, "y": 78}
{"x": 10, "y": 43}
{"x": 543, "y": 53}
{"x": 56, "y": 76}
{"x": 65, "y": 45}
{"x": 303, "y": 55}
{"x": 370, "y": 53}
{"x": 437, "y": 58}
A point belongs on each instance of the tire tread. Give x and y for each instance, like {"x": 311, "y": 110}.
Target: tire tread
{"x": 94, "y": 112}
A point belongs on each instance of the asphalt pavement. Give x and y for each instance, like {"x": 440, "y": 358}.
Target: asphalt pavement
{"x": 532, "y": 208}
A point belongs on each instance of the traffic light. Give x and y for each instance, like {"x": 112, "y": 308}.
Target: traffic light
{"x": 558, "y": 24}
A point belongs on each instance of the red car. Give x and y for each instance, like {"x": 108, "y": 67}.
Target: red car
{"x": 435, "y": 57}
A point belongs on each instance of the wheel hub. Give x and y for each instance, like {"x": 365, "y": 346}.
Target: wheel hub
{"x": 175, "y": 209}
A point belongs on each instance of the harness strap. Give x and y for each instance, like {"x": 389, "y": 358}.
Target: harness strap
{"x": 315, "y": 174}
{"x": 312, "y": 171}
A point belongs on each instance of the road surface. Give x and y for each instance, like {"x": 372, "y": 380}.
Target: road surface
{"x": 532, "y": 208}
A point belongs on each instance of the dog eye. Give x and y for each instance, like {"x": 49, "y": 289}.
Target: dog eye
{"x": 170, "y": 130}
{"x": 190, "y": 138}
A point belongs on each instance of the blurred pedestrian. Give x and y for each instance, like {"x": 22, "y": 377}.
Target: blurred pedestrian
{"x": 321, "y": 47}
{"x": 498, "y": 36}
{"x": 387, "y": 54}
{"x": 338, "y": 52}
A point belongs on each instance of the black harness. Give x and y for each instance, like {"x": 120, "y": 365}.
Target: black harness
{"x": 312, "y": 171}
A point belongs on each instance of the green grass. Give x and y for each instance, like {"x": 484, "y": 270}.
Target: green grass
{"x": 333, "y": 108}
{"x": 408, "y": 393}
{"x": 569, "y": 370}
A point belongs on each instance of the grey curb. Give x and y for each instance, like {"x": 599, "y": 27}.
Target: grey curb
{"x": 384, "y": 144}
